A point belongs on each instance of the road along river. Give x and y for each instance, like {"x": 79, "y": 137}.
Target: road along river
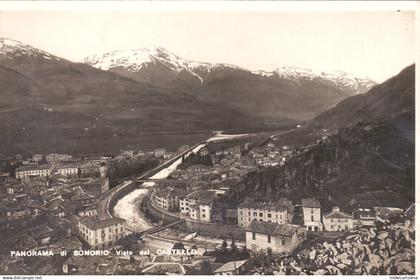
{"x": 128, "y": 207}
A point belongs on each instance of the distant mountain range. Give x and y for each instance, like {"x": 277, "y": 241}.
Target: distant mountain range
{"x": 140, "y": 61}
{"x": 287, "y": 92}
{"x": 129, "y": 97}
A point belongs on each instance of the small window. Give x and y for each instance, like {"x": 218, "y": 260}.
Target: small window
{"x": 255, "y": 214}
{"x": 261, "y": 214}
{"x": 283, "y": 242}
{"x": 269, "y": 239}
{"x": 253, "y": 236}
{"x": 269, "y": 215}
{"x": 203, "y": 215}
{"x": 312, "y": 218}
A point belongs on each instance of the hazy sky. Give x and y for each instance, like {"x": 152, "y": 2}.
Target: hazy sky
{"x": 373, "y": 44}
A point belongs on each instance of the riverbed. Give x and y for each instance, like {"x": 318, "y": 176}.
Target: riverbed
{"x": 128, "y": 207}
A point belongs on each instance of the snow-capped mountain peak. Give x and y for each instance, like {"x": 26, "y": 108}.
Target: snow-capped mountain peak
{"x": 12, "y": 48}
{"x": 137, "y": 59}
{"x": 140, "y": 59}
{"x": 339, "y": 78}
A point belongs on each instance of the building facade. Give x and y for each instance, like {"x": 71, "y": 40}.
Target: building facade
{"x": 311, "y": 214}
{"x": 261, "y": 211}
{"x": 67, "y": 170}
{"x": 337, "y": 220}
{"x": 101, "y": 234}
{"x": 272, "y": 236}
{"x": 197, "y": 205}
{"x": 33, "y": 171}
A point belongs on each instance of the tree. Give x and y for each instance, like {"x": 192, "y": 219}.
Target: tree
{"x": 224, "y": 245}
{"x": 178, "y": 246}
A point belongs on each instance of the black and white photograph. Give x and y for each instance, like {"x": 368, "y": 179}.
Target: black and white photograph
{"x": 207, "y": 138}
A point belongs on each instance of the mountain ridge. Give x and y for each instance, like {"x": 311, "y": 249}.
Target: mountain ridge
{"x": 136, "y": 59}
{"x": 387, "y": 100}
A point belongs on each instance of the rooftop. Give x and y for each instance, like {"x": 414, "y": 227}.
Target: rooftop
{"x": 33, "y": 167}
{"x": 95, "y": 223}
{"x": 310, "y": 203}
{"x": 276, "y": 206}
{"x": 230, "y": 266}
{"x": 337, "y": 214}
{"x": 272, "y": 228}
{"x": 205, "y": 197}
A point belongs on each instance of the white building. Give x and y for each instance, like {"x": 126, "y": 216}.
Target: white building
{"x": 33, "y": 171}
{"x": 51, "y": 158}
{"x": 278, "y": 238}
{"x": 88, "y": 211}
{"x": 197, "y": 205}
{"x": 249, "y": 211}
{"x": 337, "y": 221}
{"x": 37, "y": 157}
{"x": 311, "y": 214}
{"x": 101, "y": 234}
{"x": 168, "y": 198}
{"x": 67, "y": 170}
{"x": 159, "y": 152}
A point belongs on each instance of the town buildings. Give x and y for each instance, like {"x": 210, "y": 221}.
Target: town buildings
{"x": 337, "y": 220}
{"x": 250, "y": 210}
{"x": 101, "y": 234}
{"x": 197, "y": 205}
{"x": 203, "y": 152}
{"x": 272, "y": 236}
{"x": 66, "y": 170}
{"x": 33, "y": 171}
{"x": 168, "y": 198}
{"x": 311, "y": 214}
{"x": 159, "y": 153}
{"x": 52, "y": 158}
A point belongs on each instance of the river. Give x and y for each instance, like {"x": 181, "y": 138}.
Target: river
{"x": 128, "y": 207}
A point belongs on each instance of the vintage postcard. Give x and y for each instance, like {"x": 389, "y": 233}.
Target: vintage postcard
{"x": 207, "y": 138}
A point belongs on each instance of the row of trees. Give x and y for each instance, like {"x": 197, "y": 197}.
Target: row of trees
{"x": 120, "y": 169}
{"x": 193, "y": 159}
